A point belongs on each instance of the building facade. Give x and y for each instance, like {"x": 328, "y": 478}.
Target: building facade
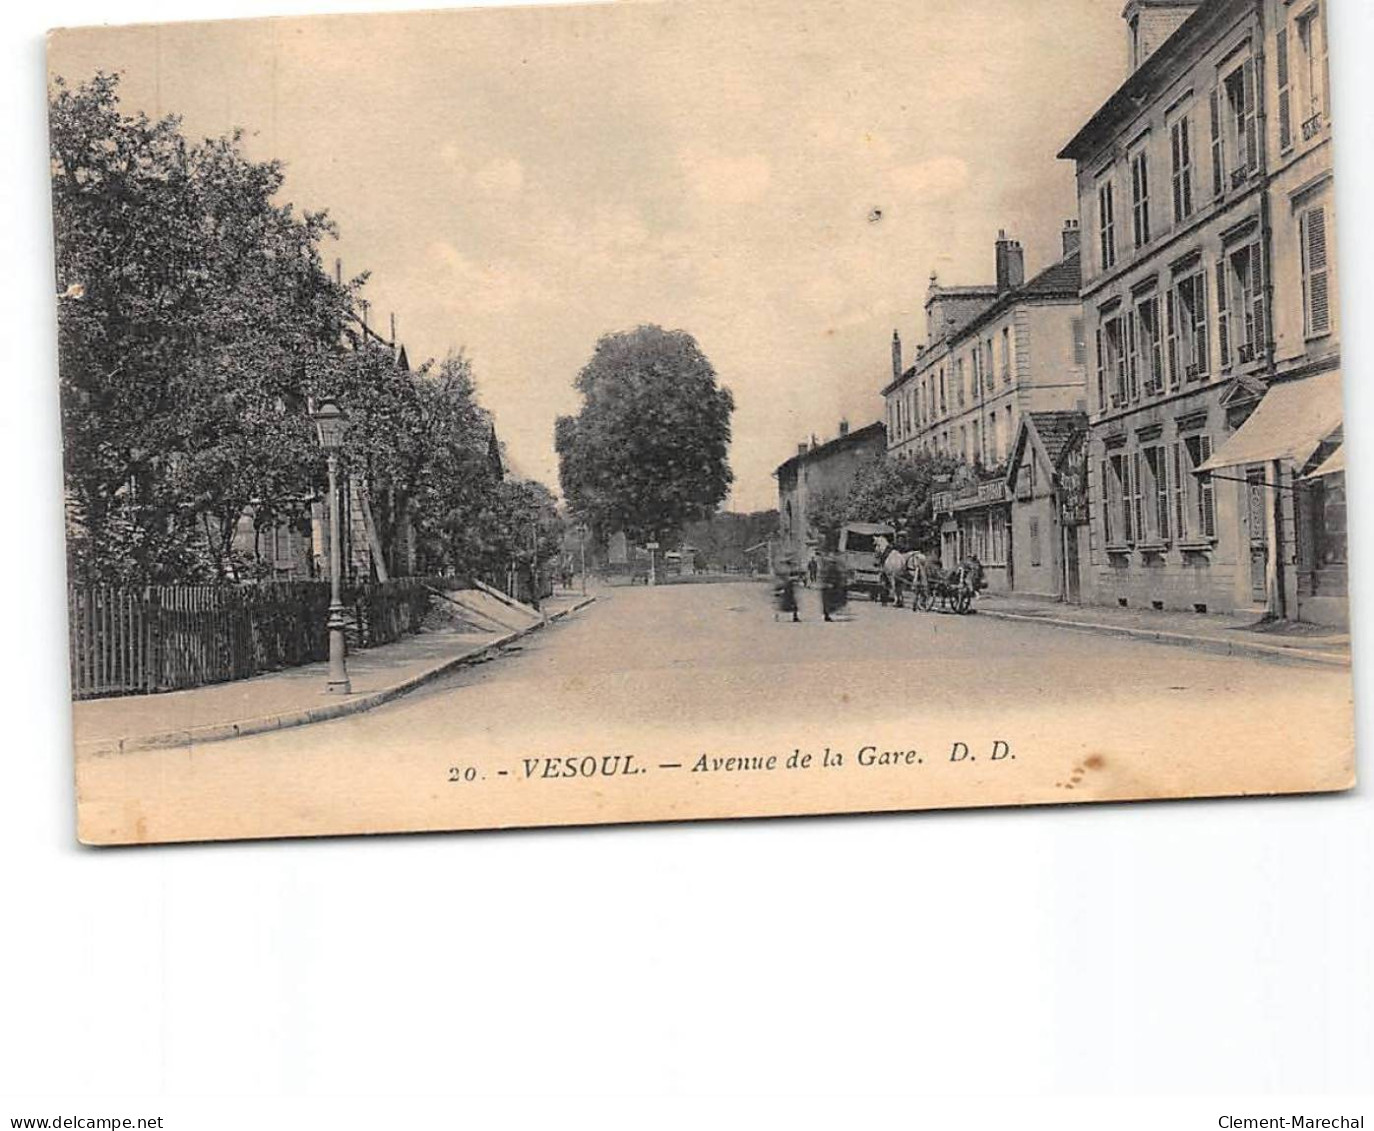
{"x": 991, "y": 355}
{"x": 818, "y": 469}
{"x": 1199, "y": 294}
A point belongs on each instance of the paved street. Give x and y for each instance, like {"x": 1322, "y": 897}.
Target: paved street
{"x": 674, "y": 673}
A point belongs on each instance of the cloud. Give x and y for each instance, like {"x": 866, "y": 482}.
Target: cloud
{"x": 489, "y": 287}
{"x": 501, "y": 179}
{"x": 933, "y": 179}
{"x": 727, "y": 180}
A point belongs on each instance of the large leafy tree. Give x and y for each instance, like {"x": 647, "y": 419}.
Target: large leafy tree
{"x": 193, "y": 313}
{"x": 648, "y": 451}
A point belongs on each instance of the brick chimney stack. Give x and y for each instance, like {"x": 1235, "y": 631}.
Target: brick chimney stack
{"x": 1071, "y": 236}
{"x": 844, "y": 428}
{"x": 1011, "y": 264}
{"x": 896, "y": 356}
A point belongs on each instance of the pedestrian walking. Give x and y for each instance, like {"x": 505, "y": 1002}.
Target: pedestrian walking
{"x": 785, "y": 592}
{"x": 834, "y": 586}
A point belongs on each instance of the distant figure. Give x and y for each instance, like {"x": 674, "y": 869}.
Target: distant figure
{"x": 834, "y": 585}
{"x": 812, "y": 570}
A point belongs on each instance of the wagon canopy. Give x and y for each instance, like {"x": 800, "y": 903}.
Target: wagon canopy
{"x": 871, "y": 528}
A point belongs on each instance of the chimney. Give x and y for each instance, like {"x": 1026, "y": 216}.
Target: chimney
{"x": 1070, "y": 235}
{"x": 803, "y": 448}
{"x": 1011, "y": 264}
{"x": 896, "y": 356}
{"x": 844, "y": 428}
{"x": 1150, "y": 22}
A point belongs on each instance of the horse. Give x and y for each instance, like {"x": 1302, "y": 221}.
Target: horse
{"x": 899, "y": 568}
{"x": 955, "y": 589}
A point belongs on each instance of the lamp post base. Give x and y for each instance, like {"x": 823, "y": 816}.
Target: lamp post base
{"x": 339, "y": 683}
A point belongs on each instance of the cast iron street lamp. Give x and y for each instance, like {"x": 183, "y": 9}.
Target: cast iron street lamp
{"x": 332, "y": 422}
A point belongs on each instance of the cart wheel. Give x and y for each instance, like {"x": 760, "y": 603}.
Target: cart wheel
{"x": 963, "y": 602}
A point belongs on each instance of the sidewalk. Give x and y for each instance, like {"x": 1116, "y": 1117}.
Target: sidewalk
{"x": 1228, "y": 634}
{"x": 292, "y": 697}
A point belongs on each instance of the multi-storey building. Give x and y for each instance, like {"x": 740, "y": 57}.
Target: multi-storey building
{"x": 991, "y": 354}
{"x": 1199, "y": 292}
{"x": 816, "y": 469}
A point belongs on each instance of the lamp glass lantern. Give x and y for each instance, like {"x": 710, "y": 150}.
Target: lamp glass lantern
{"x": 331, "y": 423}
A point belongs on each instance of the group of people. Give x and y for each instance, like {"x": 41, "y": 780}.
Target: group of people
{"x": 826, "y": 569}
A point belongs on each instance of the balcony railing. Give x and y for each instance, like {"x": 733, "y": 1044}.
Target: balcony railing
{"x": 1312, "y": 127}
{"x": 1240, "y": 176}
{"x": 1192, "y": 371}
{"x": 1245, "y": 353}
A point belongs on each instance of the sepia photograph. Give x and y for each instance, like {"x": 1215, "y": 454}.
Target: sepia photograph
{"x": 681, "y": 410}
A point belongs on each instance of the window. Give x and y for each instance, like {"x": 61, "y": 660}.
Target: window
{"x": 1106, "y": 224}
{"x": 1140, "y": 198}
{"x": 1157, "y": 490}
{"x": 1149, "y": 359}
{"x": 979, "y": 455}
{"x": 1034, "y": 532}
{"x": 1181, "y": 164}
{"x": 1218, "y": 153}
{"x": 1312, "y": 84}
{"x": 1006, "y": 354}
{"x": 993, "y": 453}
{"x": 1102, "y": 394}
{"x": 1241, "y": 135}
{"x": 1241, "y": 326}
{"x": 959, "y": 381}
{"x": 1187, "y": 329}
{"x": 1112, "y": 373}
{"x": 1316, "y": 285}
{"x": 1080, "y": 343}
{"x": 1195, "y": 504}
{"x": 1124, "y": 499}
{"x": 1282, "y": 71}
{"x": 943, "y": 407}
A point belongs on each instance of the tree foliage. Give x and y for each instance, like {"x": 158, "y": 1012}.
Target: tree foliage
{"x": 648, "y": 450}
{"x": 899, "y": 491}
{"x": 723, "y": 540}
{"x": 196, "y": 322}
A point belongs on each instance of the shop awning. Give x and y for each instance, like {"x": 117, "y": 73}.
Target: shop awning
{"x": 1290, "y": 423}
{"x": 1334, "y": 462}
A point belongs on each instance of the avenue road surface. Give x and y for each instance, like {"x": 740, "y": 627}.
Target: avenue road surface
{"x": 673, "y": 673}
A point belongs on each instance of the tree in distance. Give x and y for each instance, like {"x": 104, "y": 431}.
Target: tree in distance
{"x": 647, "y": 452}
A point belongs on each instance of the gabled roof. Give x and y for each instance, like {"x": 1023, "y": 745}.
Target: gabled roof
{"x": 1052, "y": 433}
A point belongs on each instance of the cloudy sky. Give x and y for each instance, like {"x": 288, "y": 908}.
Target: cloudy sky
{"x": 522, "y": 180}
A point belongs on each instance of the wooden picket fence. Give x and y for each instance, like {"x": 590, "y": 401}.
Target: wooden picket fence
{"x": 169, "y": 637}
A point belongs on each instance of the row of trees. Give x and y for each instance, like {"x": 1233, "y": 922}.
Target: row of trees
{"x": 196, "y": 323}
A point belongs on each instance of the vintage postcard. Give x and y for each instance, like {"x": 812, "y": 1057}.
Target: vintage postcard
{"x": 698, "y": 409}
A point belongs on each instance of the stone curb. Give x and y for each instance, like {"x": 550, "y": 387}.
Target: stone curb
{"x": 219, "y": 732}
{"x": 1183, "y": 640}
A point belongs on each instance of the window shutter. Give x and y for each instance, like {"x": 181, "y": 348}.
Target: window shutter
{"x": 1185, "y": 150}
{"x": 1127, "y": 527}
{"x": 1106, "y": 504}
{"x": 1137, "y": 500}
{"x": 1251, "y": 139}
{"x": 1132, "y": 372}
{"x": 1218, "y": 159}
{"x": 1201, "y": 345}
{"x": 1170, "y": 301}
{"x": 1101, "y": 374}
{"x": 1207, "y": 510}
{"x": 1318, "y": 284}
{"x": 1176, "y": 157}
{"x": 1162, "y": 491}
{"x": 1223, "y": 315}
{"x": 1180, "y": 511}
{"x": 1261, "y": 331}
{"x": 1285, "y": 94}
